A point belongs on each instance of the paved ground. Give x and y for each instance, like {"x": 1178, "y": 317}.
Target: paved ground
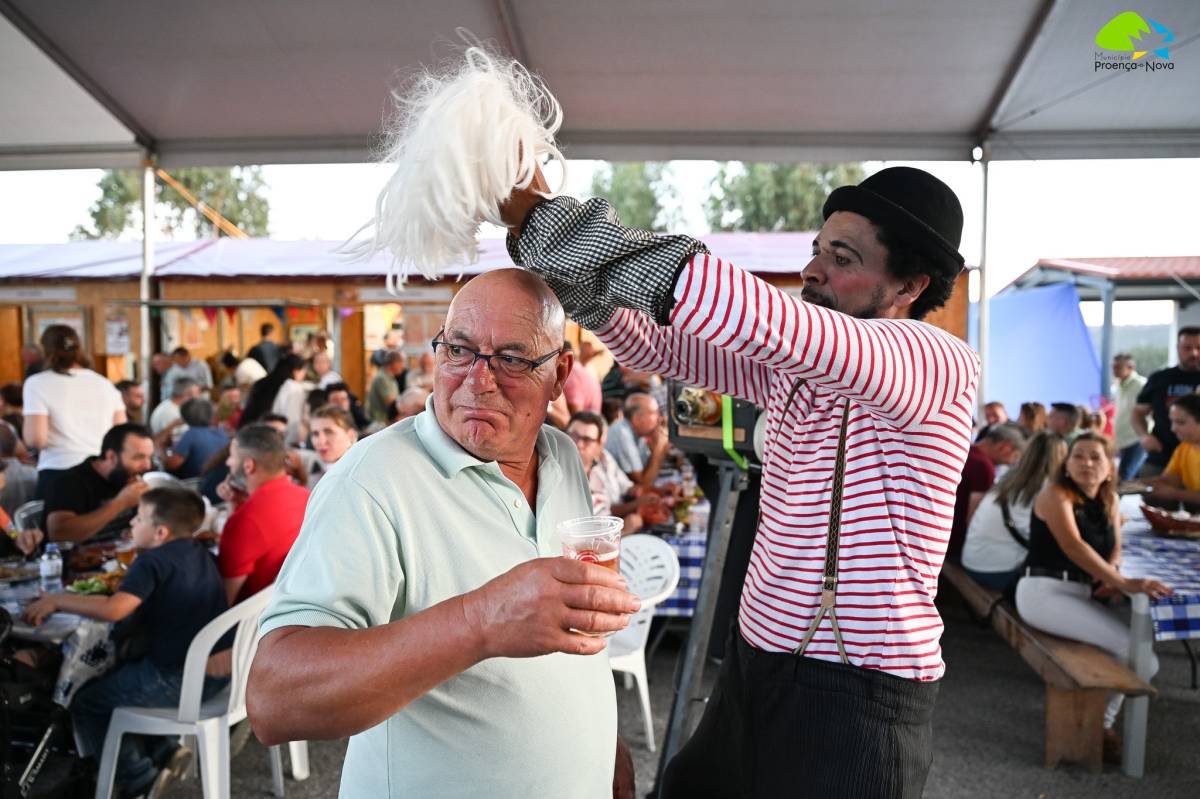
{"x": 987, "y": 732}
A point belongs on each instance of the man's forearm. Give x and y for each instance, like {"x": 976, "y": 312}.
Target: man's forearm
{"x": 1137, "y": 420}
{"x": 650, "y": 472}
{"x": 352, "y": 680}
{"x": 82, "y": 526}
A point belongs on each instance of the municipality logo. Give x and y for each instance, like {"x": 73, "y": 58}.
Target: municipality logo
{"x": 1127, "y": 38}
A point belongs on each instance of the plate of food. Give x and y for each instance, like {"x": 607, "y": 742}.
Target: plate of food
{"x": 12, "y": 574}
{"x": 161, "y": 480}
{"x": 105, "y": 583}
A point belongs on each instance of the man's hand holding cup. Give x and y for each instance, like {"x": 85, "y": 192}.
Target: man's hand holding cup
{"x": 549, "y": 605}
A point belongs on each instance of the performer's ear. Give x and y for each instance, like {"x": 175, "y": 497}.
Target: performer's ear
{"x": 911, "y": 288}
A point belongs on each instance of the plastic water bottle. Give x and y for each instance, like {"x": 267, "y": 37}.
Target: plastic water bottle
{"x": 50, "y": 567}
{"x": 688, "y": 480}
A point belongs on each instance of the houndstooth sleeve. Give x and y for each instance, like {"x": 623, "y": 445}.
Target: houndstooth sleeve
{"x": 595, "y": 265}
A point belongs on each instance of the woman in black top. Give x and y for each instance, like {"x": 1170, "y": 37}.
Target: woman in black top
{"x": 1075, "y": 541}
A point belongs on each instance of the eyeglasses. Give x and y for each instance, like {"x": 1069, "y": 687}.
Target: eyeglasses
{"x": 579, "y": 438}
{"x": 462, "y": 359}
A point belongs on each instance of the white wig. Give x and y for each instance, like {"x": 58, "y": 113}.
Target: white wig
{"x": 461, "y": 141}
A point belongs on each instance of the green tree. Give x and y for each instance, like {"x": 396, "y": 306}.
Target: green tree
{"x": 235, "y": 193}
{"x": 637, "y": 190}
{"x": 775, "y": 197}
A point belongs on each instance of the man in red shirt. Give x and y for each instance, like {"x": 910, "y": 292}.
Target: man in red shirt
{"x": 260, "y": 533}
{"x": 1001, "y": 445}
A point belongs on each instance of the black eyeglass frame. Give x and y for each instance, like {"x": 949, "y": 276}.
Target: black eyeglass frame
{"x": 475, "y": 356}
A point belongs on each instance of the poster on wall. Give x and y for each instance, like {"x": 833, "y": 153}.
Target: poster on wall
{"x": 42, "y": 318}
{"x": 116, "y": 334}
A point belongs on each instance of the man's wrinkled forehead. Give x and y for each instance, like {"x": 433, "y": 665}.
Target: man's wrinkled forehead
{"x": 514, "y": 327}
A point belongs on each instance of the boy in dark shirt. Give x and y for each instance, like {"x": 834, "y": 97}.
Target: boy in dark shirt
{"x": 175, "y": 590}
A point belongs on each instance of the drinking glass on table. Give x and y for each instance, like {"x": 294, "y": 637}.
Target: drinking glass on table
{"x": 126, "y": 552}
{"x": 593, "y": 539}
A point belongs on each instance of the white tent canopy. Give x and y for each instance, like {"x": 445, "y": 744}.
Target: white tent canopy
{"x": 263, "y": 259}
{"x": 100, "y": 82}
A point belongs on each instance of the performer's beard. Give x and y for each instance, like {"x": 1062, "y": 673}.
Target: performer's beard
{"x": 871, "y": 311}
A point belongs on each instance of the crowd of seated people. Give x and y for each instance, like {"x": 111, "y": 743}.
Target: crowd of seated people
{"x": 997, "y": 538}
{"x": 1048, "y": 533}
{"x": 85, "y": 447}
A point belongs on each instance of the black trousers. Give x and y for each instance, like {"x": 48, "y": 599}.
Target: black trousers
{"x": 782, "y": 725}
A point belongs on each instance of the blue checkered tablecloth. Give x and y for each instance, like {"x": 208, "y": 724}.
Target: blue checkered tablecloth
{"x": 1174, "y": 561}
{"x": 690, "y": 548}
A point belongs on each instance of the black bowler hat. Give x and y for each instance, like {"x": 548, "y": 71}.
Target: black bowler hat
{"x": 910, "y": 203}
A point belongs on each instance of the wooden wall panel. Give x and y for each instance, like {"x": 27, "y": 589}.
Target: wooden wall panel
{"x": 11, "y": 341}
{"x": 952, "y": 317}
{"x": 350, "y": 349}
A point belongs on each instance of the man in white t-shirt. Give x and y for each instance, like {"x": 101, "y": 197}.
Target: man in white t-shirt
{"x": 167, "y": 413}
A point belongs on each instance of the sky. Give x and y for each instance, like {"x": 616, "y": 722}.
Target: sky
{"x": 1036, "y": 209}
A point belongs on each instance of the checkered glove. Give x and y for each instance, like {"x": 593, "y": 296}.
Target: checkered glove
{"x": 595, "y": 265}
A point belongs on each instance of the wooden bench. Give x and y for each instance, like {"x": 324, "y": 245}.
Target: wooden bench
{"x": 1078, "y": 676}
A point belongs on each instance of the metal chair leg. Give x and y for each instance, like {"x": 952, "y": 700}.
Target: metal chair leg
{"x": 1192, "y": 657}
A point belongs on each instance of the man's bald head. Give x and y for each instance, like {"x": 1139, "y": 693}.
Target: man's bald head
{"x": 494, "y": 409}
{"x": 642, "y": 411}
{"x": 524, "y": 292}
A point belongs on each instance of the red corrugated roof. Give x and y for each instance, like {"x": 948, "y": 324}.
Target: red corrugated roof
{"x": 1184, "y": 266}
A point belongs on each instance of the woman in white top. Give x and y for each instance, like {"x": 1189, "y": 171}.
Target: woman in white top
{"x": 322, "y": 366}
{"x": 290, "y": 401}
{"x": 282, "y": 391}
{"x": 68, "y": 408}
{"x": 995, "y": 547}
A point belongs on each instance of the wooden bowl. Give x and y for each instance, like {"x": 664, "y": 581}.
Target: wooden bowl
{"x": 1164, "y": 523}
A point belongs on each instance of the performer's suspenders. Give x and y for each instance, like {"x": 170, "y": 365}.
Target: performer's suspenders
{"x": 829, "y": 581}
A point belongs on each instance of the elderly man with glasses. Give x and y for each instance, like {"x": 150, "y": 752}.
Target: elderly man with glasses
{"x": 424, "y": 610}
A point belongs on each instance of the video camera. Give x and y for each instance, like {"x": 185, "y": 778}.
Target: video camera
{"x": 695, "y": 422}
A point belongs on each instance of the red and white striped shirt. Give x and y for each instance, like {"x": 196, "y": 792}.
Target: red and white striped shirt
{"x": 911, "y": 388}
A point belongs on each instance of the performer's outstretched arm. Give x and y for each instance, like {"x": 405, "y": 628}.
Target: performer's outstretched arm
{"x": 904, "y": 372}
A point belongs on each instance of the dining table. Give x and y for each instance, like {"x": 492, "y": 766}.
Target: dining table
{"x": 1176, "y": 562}
{"x": 16, "y": 594}
{"x": 690, "y": 547}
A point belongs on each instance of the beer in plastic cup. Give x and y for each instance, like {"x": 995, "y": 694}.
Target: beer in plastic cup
{"x": 593, "y": 539}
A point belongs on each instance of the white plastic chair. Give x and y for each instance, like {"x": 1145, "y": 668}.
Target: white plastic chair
{"x": 29, "y": 514}
{"x": 651, "y": 569}
{"x": 208, "y": 721}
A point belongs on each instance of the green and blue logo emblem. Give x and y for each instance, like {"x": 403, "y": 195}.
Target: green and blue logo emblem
{"x": 1130, "y": 32}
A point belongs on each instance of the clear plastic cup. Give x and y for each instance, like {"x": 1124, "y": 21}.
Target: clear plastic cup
{"x": 593, "y": 539}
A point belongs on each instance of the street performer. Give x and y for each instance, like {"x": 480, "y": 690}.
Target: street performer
{"x": 829, "y": 688}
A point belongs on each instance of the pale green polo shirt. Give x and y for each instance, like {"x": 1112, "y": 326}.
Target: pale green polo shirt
{"x": 407, "y": 519}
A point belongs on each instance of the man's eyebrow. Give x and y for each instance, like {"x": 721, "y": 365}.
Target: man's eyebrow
{"x": 459, "y": 335}
{"x": 843, "y": 245}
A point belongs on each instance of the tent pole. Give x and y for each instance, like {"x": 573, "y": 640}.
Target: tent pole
{"x": 148, "y": 188}
{"x": 1106, "y": 340}
{"x": 984, "y": 313}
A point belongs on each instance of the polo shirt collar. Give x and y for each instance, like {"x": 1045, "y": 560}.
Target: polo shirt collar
{"x": 445, "y": 451}
{"x": 451, "y": 458}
